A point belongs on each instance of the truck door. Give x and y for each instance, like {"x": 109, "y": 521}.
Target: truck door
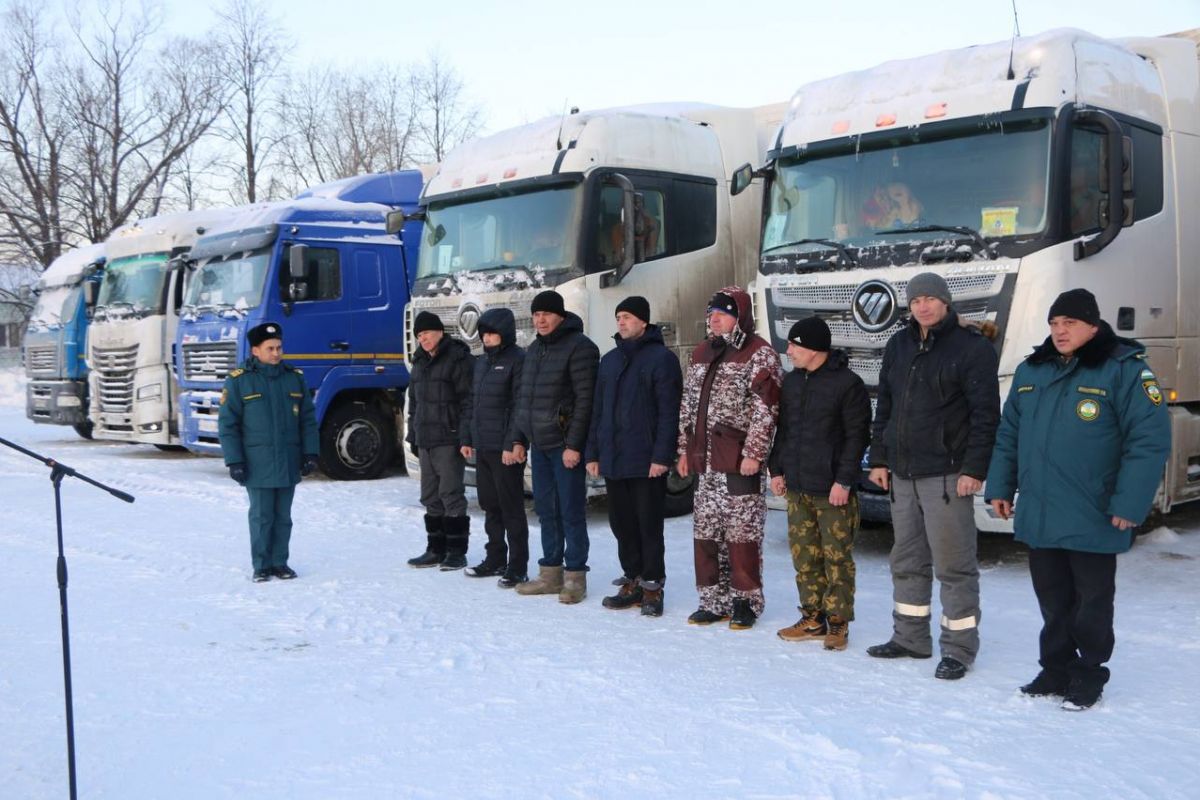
{"x": 380, "y": 292}
{"x": 317, "y": 335}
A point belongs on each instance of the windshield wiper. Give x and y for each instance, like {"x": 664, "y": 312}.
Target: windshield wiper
{"x": 844, "y": 254}
{"x": 962, "y": 230}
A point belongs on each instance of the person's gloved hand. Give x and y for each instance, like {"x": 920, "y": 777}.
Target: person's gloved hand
{"x": 309, "y": 466}
{"x": 238, "y": 473}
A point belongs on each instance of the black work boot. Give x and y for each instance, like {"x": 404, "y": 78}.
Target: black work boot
{"x": 743, "y": 616}
{"x": 1046, "y": 684}
{"x": 950, "y": 669}
{"x": 703, "y": 616}
{"x": 652, "y": 602}
{"x": 894, "y": 650}
{"x": 435, "y": 549}
{"x": 458, "y": 530}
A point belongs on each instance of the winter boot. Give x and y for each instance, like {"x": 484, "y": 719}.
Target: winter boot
{"x": 484, "y": 570}
{"x": 435, "y": 550}
{"x": 703, "y": 616}
{"x": 950, "y": 669}
{"x": 838, "y": 633}
{"x": 511, "y": 578}
{"x": 652, "y": 602}
{"x": 894, "y": 650}
{"x": 629, "y": 595}
{"x": 261, "y": 575}
{"x": 811, "y": 626}
{"x": 548, "y": 581}
{"x": 743, "y": 616}
{"x": 1046, "y": 684}
{"x": 458, "y": 531}
{"x": 1082, "y": 693}
{"x": 574, "y": 587}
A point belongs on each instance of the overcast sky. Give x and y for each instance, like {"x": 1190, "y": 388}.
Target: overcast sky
{"x": 524, "y": 60}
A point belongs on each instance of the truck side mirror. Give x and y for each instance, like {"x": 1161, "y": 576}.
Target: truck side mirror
{"x": 740, "y": 181}
{"x": 630, "y": 212}
{"x": 89, "y": 293}
{"x": 395, "y": 221}
{"x": 298, "y": 261}
{"x": 1114, "y": 178}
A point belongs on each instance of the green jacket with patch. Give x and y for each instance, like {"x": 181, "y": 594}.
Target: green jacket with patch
{"x": 268, "y": 423}
{"x": 1081, "y": 441}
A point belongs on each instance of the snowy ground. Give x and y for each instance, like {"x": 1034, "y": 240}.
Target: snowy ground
{"x": 367, "y": 679}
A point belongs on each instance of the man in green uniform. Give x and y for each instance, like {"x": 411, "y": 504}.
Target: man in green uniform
{"x": 1083, "y": 440}
{"x": 268, "y": 431}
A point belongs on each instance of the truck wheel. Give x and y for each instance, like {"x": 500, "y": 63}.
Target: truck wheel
{"x": 84, "y": 428}
{"x": 357, "y": 442}
{"x": 680, "y": 493}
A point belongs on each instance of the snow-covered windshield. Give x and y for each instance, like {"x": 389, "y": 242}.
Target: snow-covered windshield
{"x": 55, "y": 308}
{"x": 533, "y": 230}
{"x": 134, "y": 284}
{"x": 994, "y": 182}
{"x": 233, "y": 281}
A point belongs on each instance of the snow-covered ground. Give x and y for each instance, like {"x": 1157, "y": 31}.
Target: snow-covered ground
{"x": 367, "y": 679}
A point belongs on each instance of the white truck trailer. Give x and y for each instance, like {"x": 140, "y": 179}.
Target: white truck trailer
{"x": 131, "y": 342}
{"x": 597, "y": 205}
{"x": 1016, "y": 170}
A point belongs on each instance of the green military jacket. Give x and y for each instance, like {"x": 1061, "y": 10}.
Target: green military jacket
{"x": 267, "y": 422}
{"x": 1081, "y": 442}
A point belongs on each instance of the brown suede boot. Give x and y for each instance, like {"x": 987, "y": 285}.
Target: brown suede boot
{"x": 811, "y": 626}
{"x": 548, "y": 581}
{"x": 839, "y": 633}
{"x": 574, "y": 587}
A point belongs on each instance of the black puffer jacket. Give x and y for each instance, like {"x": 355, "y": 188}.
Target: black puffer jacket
{"x": 824, "y": 427}
{"x": 554, "y": 403}
{"x": 439, "y": 394}
{"x": 492, "y": 425}
{"x": 939, "y": 402}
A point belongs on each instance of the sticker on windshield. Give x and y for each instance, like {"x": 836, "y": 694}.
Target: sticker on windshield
{"x": 998, "y": 221}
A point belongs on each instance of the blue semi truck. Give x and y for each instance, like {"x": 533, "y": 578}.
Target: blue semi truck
{"x": 325, "y": 268}
{"x": 55, "y": 348}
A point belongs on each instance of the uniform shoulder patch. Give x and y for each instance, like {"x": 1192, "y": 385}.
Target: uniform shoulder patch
{"x": 236, "y": 372}
{"x": 1152, "y": 391}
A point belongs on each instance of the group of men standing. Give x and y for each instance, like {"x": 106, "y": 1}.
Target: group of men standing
{"x": 1083, "y": 437}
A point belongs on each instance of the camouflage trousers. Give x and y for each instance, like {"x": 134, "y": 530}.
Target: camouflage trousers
{"x": 821, "y": 537}
{"x": 728, "y": 534}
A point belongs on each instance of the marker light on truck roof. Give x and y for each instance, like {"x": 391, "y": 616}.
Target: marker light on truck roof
{"x": 883, "y": 120}
{"x": 511, "y": 172}
{"x": 841, "y": 126}
{"x": 935, "y": 110}
{"x": 456, "y": 183}
{"x": 481, "y": 178}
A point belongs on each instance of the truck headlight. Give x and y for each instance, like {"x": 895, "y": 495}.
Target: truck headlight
{"x": 150, "y": 392}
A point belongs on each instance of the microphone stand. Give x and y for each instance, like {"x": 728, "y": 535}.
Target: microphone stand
{"x": 57, "y": 473}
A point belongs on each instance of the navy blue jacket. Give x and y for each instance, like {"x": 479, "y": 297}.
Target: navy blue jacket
{"x": 635, "y": 413}
{"x": 491, "y": 424}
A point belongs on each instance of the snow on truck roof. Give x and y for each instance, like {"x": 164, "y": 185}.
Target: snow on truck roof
{"x": 67, "y": 269}
{"x": 663, "y": 135}
{"x": 163, "y": 233}
{"x": 959, "y": 83}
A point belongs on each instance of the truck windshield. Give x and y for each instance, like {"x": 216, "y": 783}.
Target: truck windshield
{"x": 994, "y": 182}
{"x": 56, "y": 307}
{"x": 134, "y": 285}
{"x": 232, "y": 281}
{"x": 533, "y": 230}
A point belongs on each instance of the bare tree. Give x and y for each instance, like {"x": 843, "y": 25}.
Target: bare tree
{"x": 251, "y": 46}
{"x": 446, "y": 116}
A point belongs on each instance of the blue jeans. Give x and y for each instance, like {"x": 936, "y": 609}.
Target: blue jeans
{"x": 560, "y": 499}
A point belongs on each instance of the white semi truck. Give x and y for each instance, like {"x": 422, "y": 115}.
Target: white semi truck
{"x": 1016, "y": 170}
{"x": 131, "y": 341}
{"x": 598, "y": 206}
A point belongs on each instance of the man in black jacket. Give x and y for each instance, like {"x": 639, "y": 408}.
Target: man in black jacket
{"x": 439, "y": 403}
{"x": 824, "y": 426}
{"x": 488, "y": 438}
{"x": 554, "y": 410}
{"x": 635, "y": 419}
{"x": 935, "y": 424}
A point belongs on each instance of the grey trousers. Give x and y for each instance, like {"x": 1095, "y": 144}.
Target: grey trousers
{"x": 934, "y": 536}
{"x": 442, "y": 491}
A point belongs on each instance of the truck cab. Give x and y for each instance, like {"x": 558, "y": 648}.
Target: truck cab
{"x": 55, "y": 348}
{"x": 1016, "y": 170}
{"x": 598, "y": 206}
{"x": 134, "y": 396}
{"x": 325, "y": 269}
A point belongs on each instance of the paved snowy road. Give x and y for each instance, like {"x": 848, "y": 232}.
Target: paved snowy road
{"x": 366, "y": 679}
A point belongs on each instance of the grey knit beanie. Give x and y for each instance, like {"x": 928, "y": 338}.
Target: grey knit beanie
{"x": 928, "y": 284}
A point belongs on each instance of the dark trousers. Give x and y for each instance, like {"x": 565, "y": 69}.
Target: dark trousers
{"x": 502, "y": 497}
{"x": 1075, "y": 591}
{"x": 636, "y": 507}
{"x": 442, "y": 491}
{"x": 270, "y": 526}
{"x": 560, "y": 499}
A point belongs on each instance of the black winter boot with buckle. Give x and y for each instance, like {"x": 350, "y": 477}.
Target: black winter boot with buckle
{"x": 435, "y": 549}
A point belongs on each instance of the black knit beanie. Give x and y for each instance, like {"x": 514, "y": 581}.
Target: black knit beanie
{"x": 427, "y": 321}
{"x": 1077, "y": 304}
{"x": 636, "y": 305}
{"x": 548, "y": 300}
{"x": 811, "y": 333}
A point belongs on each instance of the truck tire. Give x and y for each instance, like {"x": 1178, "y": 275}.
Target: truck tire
{"x": 357, "y": 442}
{"x": 680, "y": 493}
{"x": 84, "y": 429}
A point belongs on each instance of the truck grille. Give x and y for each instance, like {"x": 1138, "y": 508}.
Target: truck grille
{"x": 114, "y": 369}
{"x": 448, "y": 313}
{"x": 42, "y": 360}
{"x": 210, "y": 361}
